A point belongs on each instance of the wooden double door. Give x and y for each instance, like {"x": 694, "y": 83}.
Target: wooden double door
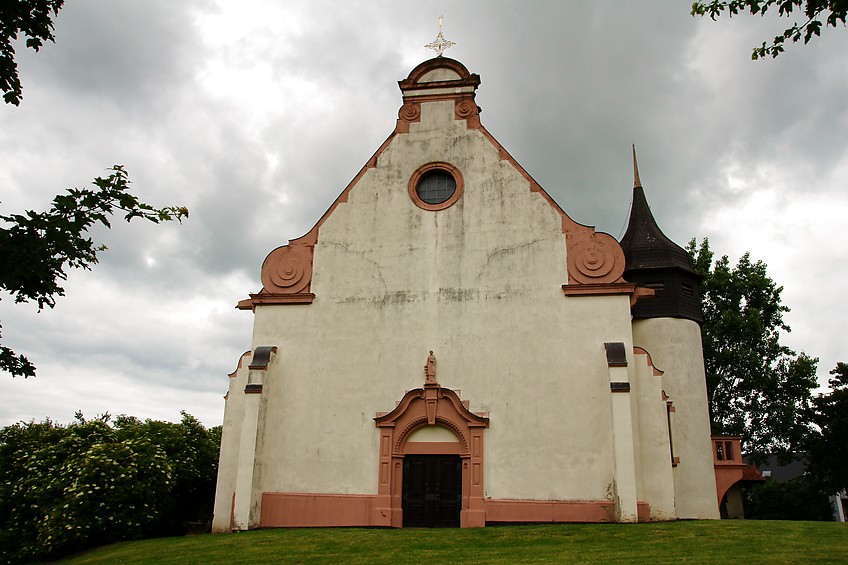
{"x": 432, "y": 491}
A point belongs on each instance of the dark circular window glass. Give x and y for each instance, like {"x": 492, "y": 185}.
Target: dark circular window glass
{"x": 435, "y": 187}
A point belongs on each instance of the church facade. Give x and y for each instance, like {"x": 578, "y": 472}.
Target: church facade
{"x": 447, "y": 347}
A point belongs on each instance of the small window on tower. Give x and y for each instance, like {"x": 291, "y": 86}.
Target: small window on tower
{"x": 688, "y": 291}
{"x": 669, "y": 410}
{"x": 728, "y": 450}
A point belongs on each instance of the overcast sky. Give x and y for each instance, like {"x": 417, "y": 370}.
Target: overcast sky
{"x": 256, "y": 114}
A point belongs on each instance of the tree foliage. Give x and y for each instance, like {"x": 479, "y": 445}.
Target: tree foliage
{"x": 37, "y": 248}
{"x": 758, "y": 388}
{"x": 812, "y": 13}
{"x": 192, "y": 451}
{"x": 64, "y": 488}
{"x": 798, "y": 499}
{"x": 827, "y": 453}
{"x": 34, "y": 20}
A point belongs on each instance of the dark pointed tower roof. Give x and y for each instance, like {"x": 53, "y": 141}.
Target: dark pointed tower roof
{"x": 645, "y": 245}
{"x": 652, "y": 260}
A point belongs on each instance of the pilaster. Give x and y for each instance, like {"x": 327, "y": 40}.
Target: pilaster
{"x": 622, "y": 433}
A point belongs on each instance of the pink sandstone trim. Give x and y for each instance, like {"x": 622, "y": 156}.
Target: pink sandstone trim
{"x": 265, "y": 299}
{"x": 640, "y": 293}
{"x": 642, "y": 351}
{"x": 287, "y": 509}
{"x": 418, "y": 408}
{"x": 409, "y": 113}
{"x": 506, "y": 510}
{"x": 465, "y": 108}
{"x": 593, "y": 257}
{"x": 728, "y": 472}
{"x": 668, "y": 401}
{"x": 415, "y": 75}
{"x": 433, "y": 448}
{"x": 643, "y": 511}
{"x": 412, "y": 185}
{"x": 291, "y": 509}
{"x": 296, "y": 257}
{"x": 599, "y": 289}
{"x": 244, "y": 355}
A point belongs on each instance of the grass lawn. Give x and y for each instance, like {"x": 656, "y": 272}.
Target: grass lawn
{"x": 736, "y": 541}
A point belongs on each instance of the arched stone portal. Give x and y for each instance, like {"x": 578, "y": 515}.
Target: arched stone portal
{"x": 431, "y": 405}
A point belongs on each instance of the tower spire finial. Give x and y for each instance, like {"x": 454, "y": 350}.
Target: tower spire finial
{"x": 440, "y": 43}
{"x": 636, "y": 181}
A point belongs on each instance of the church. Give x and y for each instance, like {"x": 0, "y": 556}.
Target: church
{"x": 448, "y": 347}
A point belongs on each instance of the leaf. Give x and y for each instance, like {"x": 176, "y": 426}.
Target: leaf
{"x": 835, "y": 11}
{"x": 37, "y": 248}
{"x": 757, "y": 387}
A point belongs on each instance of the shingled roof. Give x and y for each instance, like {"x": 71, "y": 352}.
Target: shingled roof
{"x": 645, "y": 245}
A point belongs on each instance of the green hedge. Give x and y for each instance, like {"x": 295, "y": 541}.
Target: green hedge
{"x": 66, "y": 488}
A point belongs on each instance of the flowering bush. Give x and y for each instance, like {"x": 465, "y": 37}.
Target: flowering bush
{"x": 64, "y": 488}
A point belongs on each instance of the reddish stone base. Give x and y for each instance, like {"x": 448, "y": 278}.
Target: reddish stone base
{"x": 549, "y": 511}
{"x": 287, "y": 510}
{"x": 643, "y": 511}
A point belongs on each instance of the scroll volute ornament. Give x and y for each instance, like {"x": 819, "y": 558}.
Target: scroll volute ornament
{"x": 594, "y": 258}
{"x": 465, "y": 108}
{"x": 288, "y": 269}
{"x": 410, "y": 112}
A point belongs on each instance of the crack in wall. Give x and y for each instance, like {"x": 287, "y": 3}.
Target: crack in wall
{"x": 505, "y": 250}
{"x": 376, "y": 265}
{"x": 445, "y": 294}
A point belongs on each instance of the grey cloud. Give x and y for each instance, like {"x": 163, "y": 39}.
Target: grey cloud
{"x": 123, "y": 50}
{"x": 566, "y": 87}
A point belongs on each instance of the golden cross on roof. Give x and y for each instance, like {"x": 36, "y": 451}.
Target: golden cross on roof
{"x": 440, "y": 43}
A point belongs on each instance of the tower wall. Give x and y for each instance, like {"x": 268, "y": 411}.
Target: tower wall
{"x": 675, "y": 347}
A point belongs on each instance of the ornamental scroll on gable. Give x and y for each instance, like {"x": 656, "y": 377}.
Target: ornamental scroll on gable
{"x": 593, "y": 257}
{"x": 288, "y": 270}
{"x": 441, "y": 78}
{"x": 286, "y": 275}
{"x": 595, "y": 260}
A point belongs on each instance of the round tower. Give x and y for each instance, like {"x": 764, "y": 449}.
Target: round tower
{"x": 667, "y": 325}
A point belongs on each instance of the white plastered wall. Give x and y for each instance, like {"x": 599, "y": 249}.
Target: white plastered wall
{"x": 655, "y": 481}
{"x": 675, "y": 347}
{"x": 478, "y": 283}
{"x": 228, "y": 462}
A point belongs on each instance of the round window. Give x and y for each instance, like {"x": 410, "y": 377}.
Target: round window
{"x": 435, "y": 186}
